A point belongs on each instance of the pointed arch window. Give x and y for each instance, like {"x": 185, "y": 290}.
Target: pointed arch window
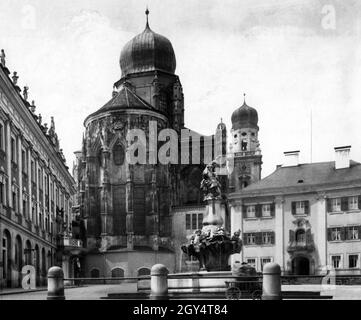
{"x": 118, "y": 154}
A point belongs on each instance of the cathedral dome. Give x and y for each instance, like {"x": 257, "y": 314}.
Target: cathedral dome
{"x": 147, "y": 51}
{"x": 244, "y": 117}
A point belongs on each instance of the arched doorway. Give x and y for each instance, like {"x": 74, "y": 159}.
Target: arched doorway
{"x": 49, "y": 263}
{"x": 28, "y": 260}
{"x": 18, "y": 258}
{"x": 6, "y": 256}
{"x": 37, "y": 264}
{"x": 301, "y": 266}
{"x": 43, "y": 266}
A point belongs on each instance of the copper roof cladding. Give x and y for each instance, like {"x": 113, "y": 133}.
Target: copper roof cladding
{"x": 147, "y": 51}
{"x": 244, "y": 117}
{"x": 309, "y": 176}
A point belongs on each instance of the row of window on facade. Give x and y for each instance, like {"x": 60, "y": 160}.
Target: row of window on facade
{"x": 258, "y": 210}
{"x": 344, "y": 233}
{"x": 340, "y": 204}
{"x": 352, "y": 260}
{"x": 119, "y": 272}
{"x": 43, "y": 179}
{"x": 336, "y": 261}
{"x": 43, "y": 220}
{"x": 258, "y": 262}
{"x": 37, "y": 216}
{"x": 259, "y": 238}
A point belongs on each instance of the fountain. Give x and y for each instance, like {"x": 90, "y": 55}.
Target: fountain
{"x": 213, "y": 245}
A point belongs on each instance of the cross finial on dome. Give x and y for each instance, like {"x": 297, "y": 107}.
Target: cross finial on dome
{"x": 147, "y": 13}
{"x": 244, "y": 98}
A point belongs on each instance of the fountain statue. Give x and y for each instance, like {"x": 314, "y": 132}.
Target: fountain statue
{"x": 213, "y": 245}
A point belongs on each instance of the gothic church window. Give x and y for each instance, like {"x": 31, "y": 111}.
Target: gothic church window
{"x": 118, "y": 155}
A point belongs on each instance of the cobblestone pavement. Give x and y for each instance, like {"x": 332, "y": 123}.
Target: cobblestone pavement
{"x": 95, "y": 292}
{"x": 338, "y": 292}
{"x": 91, "y": 292}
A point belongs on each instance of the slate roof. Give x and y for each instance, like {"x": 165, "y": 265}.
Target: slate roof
{"x": 124, "y": 99}
{"x": 307, "y": 176}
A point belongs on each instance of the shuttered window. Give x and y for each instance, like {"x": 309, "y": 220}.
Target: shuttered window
{"x": 251, "y": 211}
{"x": 352, "y": 203}
{"x": 300, "y": 207}
{"x": 336, "y": 205}
{"x": 266, "y": 210}
{"x": 352, "y": 233}
{"x": 259, "y": 238}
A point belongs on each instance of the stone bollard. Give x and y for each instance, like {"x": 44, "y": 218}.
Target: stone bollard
{"x": 159, "y": 282}
{"x": 55, "y": 284}
{"x": 271, "y": 282}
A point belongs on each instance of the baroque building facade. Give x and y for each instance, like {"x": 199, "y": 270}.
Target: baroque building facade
{"x": 304, "y": 216}
{"x": 35, "y": 187}
{"x": 128, "y": 208}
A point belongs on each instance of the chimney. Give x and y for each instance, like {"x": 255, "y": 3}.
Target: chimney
{"x": 342, "y": 157}
{"x": 291, "y": 158}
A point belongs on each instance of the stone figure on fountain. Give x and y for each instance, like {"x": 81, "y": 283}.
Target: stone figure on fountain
{"x": 210, "y": 184}
{"x": 213, "y": 245}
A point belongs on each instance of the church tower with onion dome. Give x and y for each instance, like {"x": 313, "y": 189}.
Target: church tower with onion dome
{"x": 148, "y": 66}
{"x": 127, "y": 208}
{"x": 245, "y": 148}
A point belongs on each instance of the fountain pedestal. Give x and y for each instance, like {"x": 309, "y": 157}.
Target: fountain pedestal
{"x": 212, "y": 245}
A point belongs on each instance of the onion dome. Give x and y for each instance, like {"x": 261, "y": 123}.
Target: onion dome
{"x": 221, "y": 126}
{"x": 147, "y": 51}
{"x": 244, "y": 117}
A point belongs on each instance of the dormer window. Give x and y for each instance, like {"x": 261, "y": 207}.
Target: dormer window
{"x": 244, "y": 133}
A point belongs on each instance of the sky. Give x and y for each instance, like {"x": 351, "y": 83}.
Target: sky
{"x": 291, "y": 58}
